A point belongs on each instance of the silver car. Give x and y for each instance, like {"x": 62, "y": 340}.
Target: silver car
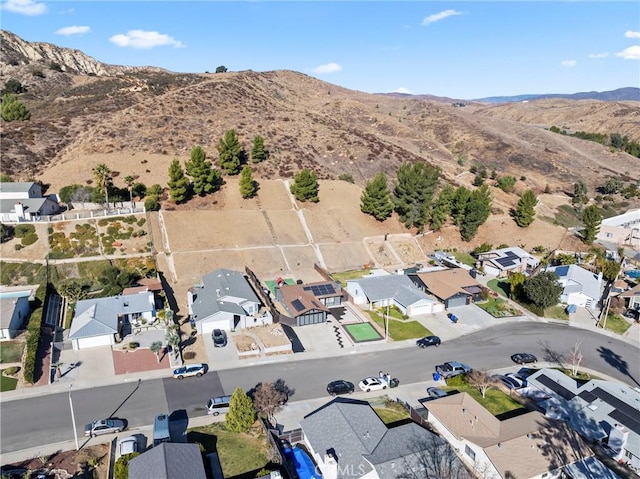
{"x": 189, "y": 370}
{"x": 104, "y": 426}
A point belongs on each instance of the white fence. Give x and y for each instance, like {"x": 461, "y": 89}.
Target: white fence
{"x": 89, "y": 214}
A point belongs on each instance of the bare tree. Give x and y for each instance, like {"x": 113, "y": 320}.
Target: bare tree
{"x": 268, "y": 400}
{"x": 482, "y": 380}
{"x": 575, "y": 357}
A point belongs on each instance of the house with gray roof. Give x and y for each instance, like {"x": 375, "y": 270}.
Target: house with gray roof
{"x": 347, "y": 439}
{"x": 621, "y": 230}
{"x": 168, "y": 460}
{"x": 580, "y": 286}
{"x": 505, "y": 261}
{"x": 398, "y": 290}
{"x": 101, "y": 321}
{"x": 24, "y": 202}
{"x": 225, "y": 300}
{"x": 600, "y": 411}
{"x": 14, "y": 311}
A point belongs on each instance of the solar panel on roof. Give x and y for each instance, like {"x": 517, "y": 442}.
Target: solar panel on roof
{"x": 510, "y": 254}
{"x": 587, "y": 396}
{"x": 555, "y": 387}
{"x": 628, "y": 422}
{"x": 297, "y": 304}
{"x": 615, "y": 402}
{"x": 505, "y": 261}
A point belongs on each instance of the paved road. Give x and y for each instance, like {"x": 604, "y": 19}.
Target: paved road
{"x": 30, "y": 422}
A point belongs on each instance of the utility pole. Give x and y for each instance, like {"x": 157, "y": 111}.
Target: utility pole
{"x": 386, "y": 325}
{"x": 73, "y": 419}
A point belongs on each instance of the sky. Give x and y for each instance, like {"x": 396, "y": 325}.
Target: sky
{"x": 461, "y": 50}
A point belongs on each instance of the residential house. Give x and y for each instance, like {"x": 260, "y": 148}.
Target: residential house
{"x": 505, "y": 261}
{"x": 102, "y": 321}
{"x": 14, "y": 311}
{"x": 309, "y": 303}
{"x": 525, "y": 446}
{"x": 225, "y": 300}
{"x": 600, "y": 411}
{"x": 622, "y": 230}
{"x": 632, "y": 298}
{"x": 168, "y": 460}
{"x": 24, "y": 202}
{"x": 454, "y": 287}
{"x": 580, "y": 286}
{"x": 347, "y": 440}
{"x": 398, "y": 290}
{"x": 148, "y": 284}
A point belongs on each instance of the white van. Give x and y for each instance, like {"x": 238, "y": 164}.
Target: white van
{"x": 218, "y": 405}
{"x": 161, "y": 429}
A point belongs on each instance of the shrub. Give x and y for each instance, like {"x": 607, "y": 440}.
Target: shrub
{"x": 133, "y": 345}
{"x": 189, "y": 355}
{"x": 18, "y": 247}
{"x": 34, "y": 328}
{"x": 154, "y": 190}
{"x": 121, "y": 467}
{"x": 457, "y": 381}
{"x": 348, "y": 177}
{"x": 11, "y": 371}
{"x": 29, "y": 239}
{"x": 20, "y": 231}
{"x": 151, "y": 203}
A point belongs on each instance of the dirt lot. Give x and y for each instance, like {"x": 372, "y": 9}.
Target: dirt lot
{"x": 76, "y": 463}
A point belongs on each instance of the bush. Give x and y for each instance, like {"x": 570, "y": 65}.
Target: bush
{"x": 18, "y": 247}
{"x": 457, "y": 381}
{"x": 20, "y": 231}
{"x": 189, "y": 355}
{"x": 13, "y": 370}
{"x": 133, "y": 345}
{"x": 29, "y": 239}
{"x": 348, "y": 177}
{"x": 151, "y": 203}
{"x": 34, "y": 328}
{"x": 121, "y": 467}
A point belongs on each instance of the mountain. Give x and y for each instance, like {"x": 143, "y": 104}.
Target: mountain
{"x": 620, "y": 94}
{"x": 137, "y": 120}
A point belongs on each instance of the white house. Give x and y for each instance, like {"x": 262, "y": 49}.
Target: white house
{"x": 14, "y": 311}
{"x": 225, "y": 300}
{"x": 392, "y": 290}
{"x": 580, "y": 286}
{"x": 623, "y": 230}
{"x": 24, "y": 202}
{"x": 98, "y": 322}
{"x": 505, "y": 261}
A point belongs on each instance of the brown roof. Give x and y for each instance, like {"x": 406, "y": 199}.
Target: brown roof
{"x": 293, "y": 292}
{"x": 448, "y": 282}
{"x": 635, "y": 291}
{"x": 144, "y": 284}
{"x": 526, "y": 445}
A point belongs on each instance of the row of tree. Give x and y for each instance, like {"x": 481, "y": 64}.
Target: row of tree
{"x": 613, "y": 140}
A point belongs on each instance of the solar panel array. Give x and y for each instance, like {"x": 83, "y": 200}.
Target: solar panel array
{"x": 297, "y": 304}
{"x": 320, "y": 289}
{"x": 555, "y": 387}
{"x": 623, "y": 413}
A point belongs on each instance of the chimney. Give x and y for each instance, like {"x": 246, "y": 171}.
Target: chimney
{"x": 330, "y": 469}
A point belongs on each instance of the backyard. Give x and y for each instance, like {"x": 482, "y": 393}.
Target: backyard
{"x": 343, "y": 277}
{"x": 496, "y": 401}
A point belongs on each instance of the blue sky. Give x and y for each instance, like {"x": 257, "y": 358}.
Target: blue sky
{"x": 462, "y": 50}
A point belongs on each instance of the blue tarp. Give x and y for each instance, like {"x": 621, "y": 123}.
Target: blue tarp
{"x": 572, "y": 308}
{"x": 304, "y": 465}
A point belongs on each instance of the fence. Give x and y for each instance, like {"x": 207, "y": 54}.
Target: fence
{"x": 90, "y": 214}
{"x": 276, "y": 439}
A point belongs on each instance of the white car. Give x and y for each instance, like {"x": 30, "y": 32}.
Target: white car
{"x": 127, "y": 445}
{"x": 372, "y": 384}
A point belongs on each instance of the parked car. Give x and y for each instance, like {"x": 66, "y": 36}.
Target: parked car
{"x": 340, "y": 386}
{"x": 511, "y": 381}
{"x": 428, "y": 341}
{"x": 451, "y": 369}
{"x": 372, "y": 384}
{"x": 104, "y": 426}
{"x": 127, "y": 445}
{"x": 189, "y": 370}
{"x": 524, "y": 358}
{"x": 219, "y": 338}
{"x": 218, "y": 405}
{"x": 436, "y": 393}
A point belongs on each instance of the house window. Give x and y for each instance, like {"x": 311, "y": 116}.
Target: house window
{"x": 628, "y": 454}
{"x": 546, "y": 474}
{"x": 609, "y": 235}
{"x": 469, "y": 452}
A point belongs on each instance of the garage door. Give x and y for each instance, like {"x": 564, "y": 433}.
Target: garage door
{"x": 208, "y": 327}
{"x": 420, "y": 309}
{"x": 95, "y": 341}
{"x": 457, "y": 301}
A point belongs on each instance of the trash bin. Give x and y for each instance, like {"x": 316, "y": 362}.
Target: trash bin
{"x": 436, "y": 376}
{"x": 394, "y": 383}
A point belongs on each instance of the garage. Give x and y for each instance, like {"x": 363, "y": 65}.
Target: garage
{"x": 311, "y": 317}
{"x": 420, "y": 308}
{"x": 207, "y": 327}
{"x": 92, "y": 342}
{"x": 457, "y": 300}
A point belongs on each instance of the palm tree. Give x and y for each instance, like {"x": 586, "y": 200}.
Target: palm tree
{"x": 155, "y": 348}
{"x": 130, "y": 180}
{"x": 102, "y": 175}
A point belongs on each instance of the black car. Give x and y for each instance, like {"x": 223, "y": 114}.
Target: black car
{"x": 428, "y": 341}
{"x": 524, "y": 358}
{"x": 340, "y": 387}
{"x": 219, "y": 338}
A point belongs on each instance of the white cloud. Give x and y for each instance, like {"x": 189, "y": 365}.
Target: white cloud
{"x": 327, "y": 68}
{"x": 599, "y": 55}
{"x": 436, "y": 17}
{"x": 144, "y": 40}
{"x": 630, "y": 53}
{"x": 568, "y": 63}
{"x": 24, "y": 7}
{"x": 403, "y": 90}
{"x": 631, "y": 34}
{"x": 73, "y": 30}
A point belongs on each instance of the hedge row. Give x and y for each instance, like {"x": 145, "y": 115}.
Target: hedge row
{"x": 34, "y": 332}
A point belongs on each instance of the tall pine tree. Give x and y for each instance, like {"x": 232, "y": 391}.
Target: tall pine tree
{"x": 413, "y": 193}
{"x": 178, "y": 183}
{"x": 460, "y": 200}
{"x": 247, "y": 183}
{"x": 376, "y": 198}
{"x": 442, "y": 207}
{"x": 305, "y": 186}
{"x": 476, "y": 212}
{"x": 205, "y": 179}
{"x": 241, "y": 414}
{"x": 258, "y": 153}
{"x": 525, "y": 209}
{"x": 230, "y": 153}
{"x": 591, "y": 217}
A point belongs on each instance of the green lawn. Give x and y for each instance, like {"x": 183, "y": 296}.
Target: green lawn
{"x": 362, "y": 332}
{"x": 557, "y": 312}
{"x": 401, "y": 330}
{"x": 499, "y": 308}
{"x": 465, "y": 258}
{"x": 617, "y": 324}
{"x": 500, "y": 286}
{"x": 343, "y": 277}
{"x": 391, "y": 413}
{"x": 496, "y": 401}
{"x": 11, "y": 352}
{"x": 239, "y": 453}
{"x": 7, "y": 383}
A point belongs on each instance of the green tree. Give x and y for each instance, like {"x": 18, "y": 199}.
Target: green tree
{"x": 579, "y": 195}
{"x": 13, "y": 110}
{"x": 591, "y": 218}
{"x": 121, "y": 467}
{"x": 241, "y": 414}
{"x": 413, "y": 193}
{"x": 114, "y": 281}
{"x": 178, "y": 182}
{"x": 230, "y": 153}
{"x": 13, "y": 86}
{"x": 305, "y": 186}
{"x": 543, "y": 289}
{"x": 247, "y": 183}
{"x": 72, "y": 290}
{"x": 151, "y": 203}
{"x": 612, "y": 186}
{"x": 442, "y": 207}
{"x": 258, "y": 153}
{"x": 104, "y": 180}
{"x": 516, "y": 280}
{"x": 565, "y": 259}
{"x": 6, "y": 231}
{"x": 221, "y": 69}
{"x": 459, "y": 205}
{"x": 506, "y": 183}
{"x": 610, "y": 270}
{"x": 525, "y": 209}
{"x": 476, "y": 212}
{"x": 376, "y": 198}
{"x": 155, "y": 348}
{"x": 130, "y": 180}
{"x": 205, "y": 178}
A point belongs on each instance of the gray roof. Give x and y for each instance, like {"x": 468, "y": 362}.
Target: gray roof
{"x": 589, "y": 468}
{"x": 97, "y": 317}
{"x": 577, "y": 279}
{"x": 360, "y": 439}
{"x": 15, "y": 186}
{"x": 7, "y": 307}
{"x": 221, "y": 290}
{"x": 31, "y": 205}
{"x": 168, "y": 461}
{"x": 398, "y": 287}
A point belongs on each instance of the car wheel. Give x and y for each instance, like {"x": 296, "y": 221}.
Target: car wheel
{"x": 216, "y": 413}
{"x": 118, "y": 431}
{"x": 181, "y": 377}
{"x": 368, "y": 390}
{"x": 199, "y": 374}
{"x": 384, "y": 387}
